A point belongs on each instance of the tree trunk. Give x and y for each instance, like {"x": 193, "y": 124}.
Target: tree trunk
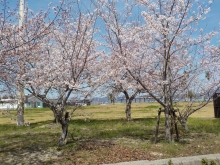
{"x": 167, "y": 126}
{"x": 128, "y": 103}
{"x": 177, "y": 132}
{"x": 172, "y": 121}
{"x": 56, "y": 119}
{"x": 175, "y": 125}
{"x": 183, "y": 122}
{"x": 64, "y": 134}
{"x": 157, "y": 126}
{"x": 20, "y": 112}
{"x": 128, "y": 110}
{"x": 20, "y": 116}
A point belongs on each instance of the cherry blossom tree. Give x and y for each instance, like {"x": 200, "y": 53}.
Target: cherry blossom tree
{"x": 118, "y": 81}
{"x": 64, "y": 61}
{"x": 29, "y": 37}
{"x": 18, "y": 41}
{"x": 116, "y": 23}
{"x": 9, "y": 32}
{"x": 6, "y": 27}
{"x": 172, "y": 53}
{"x": 163, "y": 55}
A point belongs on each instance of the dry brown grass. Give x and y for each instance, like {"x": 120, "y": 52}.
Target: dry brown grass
{"x": 139, "y": 110}
{"x": 106, "y": 111}
{"x": 205, "y": 112}
{"x": 30, "y": 115}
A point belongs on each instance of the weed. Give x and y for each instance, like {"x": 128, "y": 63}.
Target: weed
{"x": 205, "y": 161}
{"x": 170, "y": 162}
{"x": 212, "y": 162}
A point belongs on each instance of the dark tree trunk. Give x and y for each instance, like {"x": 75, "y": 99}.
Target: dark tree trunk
{"x": 128, "y": 110}
{"x": 157, "y": 126}
{"x": 128, "y": 104}
{"x": 56, "y": 116}
{"x": 64, "y": 134}
{"x": 56, "y": 119}
{"x": 175, "y": 124}
{"x": 64, "y": 121}
{"x": 177, "y": 132}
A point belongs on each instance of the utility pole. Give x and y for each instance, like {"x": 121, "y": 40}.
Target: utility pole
{"x": 21, "y": 13}
{"x": 20, "y": 112}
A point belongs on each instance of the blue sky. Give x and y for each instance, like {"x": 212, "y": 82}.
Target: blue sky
{"x": 212, "y": 18}
{"x": 211, "y": 22}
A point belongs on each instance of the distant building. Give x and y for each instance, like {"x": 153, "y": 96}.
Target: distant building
{"x": 6, "y": 104}
{"x": 32, "y": 102}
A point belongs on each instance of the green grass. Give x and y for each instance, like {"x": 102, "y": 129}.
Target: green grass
{"x": 106, "y": 132}
{"x": 204, "y": 125}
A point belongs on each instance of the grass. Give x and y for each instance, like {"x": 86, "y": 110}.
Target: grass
{"x": 30, "y": 115}
{"x": 106, "y": 137}
{"x": 102, "y": 112}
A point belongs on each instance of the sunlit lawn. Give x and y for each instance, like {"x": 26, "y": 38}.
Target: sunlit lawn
{"x": 139, "y": 110}
{"x": 105, "y": 111}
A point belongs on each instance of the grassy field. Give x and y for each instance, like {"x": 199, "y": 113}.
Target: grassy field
{"x": 104, "y": 137}
{"x": 102, "y": 112}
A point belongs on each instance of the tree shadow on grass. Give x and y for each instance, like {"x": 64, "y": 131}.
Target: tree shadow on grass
{"x": 141, "y": 129}
{"x": 28, "y": 148}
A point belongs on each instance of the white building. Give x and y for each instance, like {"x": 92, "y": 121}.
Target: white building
{"x": 6, "y": 104}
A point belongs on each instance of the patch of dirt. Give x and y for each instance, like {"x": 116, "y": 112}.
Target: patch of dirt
{"x": 156, "y": 154}
{"x": 30, "y": 157}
